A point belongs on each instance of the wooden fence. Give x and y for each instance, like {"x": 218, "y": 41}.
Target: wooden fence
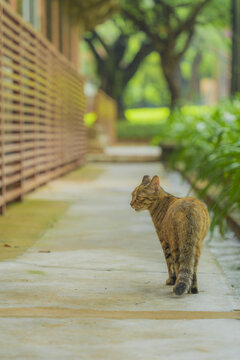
{"x": 105, "y": 109}
{"x": 41, "y": 110}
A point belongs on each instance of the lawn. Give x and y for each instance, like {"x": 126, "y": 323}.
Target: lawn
{"x": 141, "y": 124}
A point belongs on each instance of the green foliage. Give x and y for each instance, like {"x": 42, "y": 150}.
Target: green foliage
{"x": 141, "y": 124}
{"x": 120, "y": 40}
{"x": 216, "y": 12}
{"x": 118, "y": 52}
{"x": 208, "y": 148}
{"x": 90, "y": 119}
{"x": 147, "y": 87}
{"x": 212, "y": 43}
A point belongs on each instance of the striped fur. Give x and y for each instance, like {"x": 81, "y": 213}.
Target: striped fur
{"x": 181, "y": 225}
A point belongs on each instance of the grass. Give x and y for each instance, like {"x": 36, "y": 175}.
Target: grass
{"x": 24, "y": 223}
{"x": 141, "y": 124}
{"x": 145, "y": 115}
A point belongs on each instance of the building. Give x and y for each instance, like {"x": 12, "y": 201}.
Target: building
{"x": 63, "y": 22}
{"x": 42, "y": 99}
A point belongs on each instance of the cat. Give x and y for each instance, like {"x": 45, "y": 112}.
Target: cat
{"x": 181, "y": 225}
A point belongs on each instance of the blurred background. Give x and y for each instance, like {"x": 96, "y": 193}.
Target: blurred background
{"x": 79, "y": 76}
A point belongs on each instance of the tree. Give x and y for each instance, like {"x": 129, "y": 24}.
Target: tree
{"x": 116, "y": 61}
{"x": 235, "y": 81}
{"x": 206, "y": 57}
{"x": 92, "y": 12}
{"x": 170, "y": 27}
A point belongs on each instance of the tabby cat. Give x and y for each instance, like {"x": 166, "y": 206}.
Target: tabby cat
{"x": 181, "y": 225}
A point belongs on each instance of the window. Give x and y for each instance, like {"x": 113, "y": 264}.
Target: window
{"x": 30, "y": 12}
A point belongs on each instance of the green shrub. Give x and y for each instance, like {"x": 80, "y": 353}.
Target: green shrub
{"x": 208, "y": 147}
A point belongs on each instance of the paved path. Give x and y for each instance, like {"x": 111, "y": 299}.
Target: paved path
{"x": 94, "y": 286}
{"x": 127, "y": 153}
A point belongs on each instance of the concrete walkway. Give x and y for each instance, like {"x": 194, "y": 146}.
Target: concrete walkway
{"x": 94, "y": 286}
{"x": 127, "y": 153}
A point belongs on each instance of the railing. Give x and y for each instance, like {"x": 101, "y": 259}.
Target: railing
{"x": 41, "y": 110}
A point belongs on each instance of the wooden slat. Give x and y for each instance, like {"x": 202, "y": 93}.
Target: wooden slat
{"x": 9, "y": 85}
{"x": 11, "y": 45}
{"x": 14, "y": 26}
{"x": 12, "y": 179}
{"x": 13, "y": 194}
{"x": 10, "y": 158}
{"x": 9, "y": 169}
{"x": 42, "y": 131}
{"x": 11, "y": 137}
{"x": 9, "y": 148}
{"x": 11, "y": 55}
{"x": 30, "y": 185}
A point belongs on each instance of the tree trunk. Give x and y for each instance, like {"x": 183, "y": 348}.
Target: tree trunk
{"x": 120, "y": 109}
{"x": 111, "y": 88}
{"x": 235, "y": 80}
{"x": 170, "y": 74}
{"x": 193, "y": 93}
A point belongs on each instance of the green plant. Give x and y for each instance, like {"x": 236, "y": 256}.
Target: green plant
{"x": 208, "y": 149}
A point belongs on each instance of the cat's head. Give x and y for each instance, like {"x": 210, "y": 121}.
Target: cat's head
{"x": 146, "y": 193}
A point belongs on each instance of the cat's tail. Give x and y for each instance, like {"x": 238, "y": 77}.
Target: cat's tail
{"x": 186, "y": 266}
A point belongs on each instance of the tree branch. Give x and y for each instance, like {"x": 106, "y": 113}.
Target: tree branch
{"x": 142, "y": 26}
{"x": 186, "y": 45}
{"x": 190, "y": 21}
{"x": 131, "y": 69}
{"x": 92, "y": 47}
{"x": 119, "y": 47}
{"x": 102, "y": 42}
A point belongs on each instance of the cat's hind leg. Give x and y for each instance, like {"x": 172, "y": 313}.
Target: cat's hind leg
{"x": 170, "y": 264}
{"x": 194, "y": 286}
{"x": 171, "y": 280}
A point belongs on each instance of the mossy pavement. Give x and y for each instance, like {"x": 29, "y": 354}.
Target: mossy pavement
{"x": 27, "y": 221}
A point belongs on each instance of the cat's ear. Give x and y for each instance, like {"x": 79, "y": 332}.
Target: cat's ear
{"x": 155, "y": 184}
{"x": 146, "y": 180}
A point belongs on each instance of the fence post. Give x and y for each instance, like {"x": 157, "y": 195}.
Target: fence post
{"x": 21, "y": 115}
